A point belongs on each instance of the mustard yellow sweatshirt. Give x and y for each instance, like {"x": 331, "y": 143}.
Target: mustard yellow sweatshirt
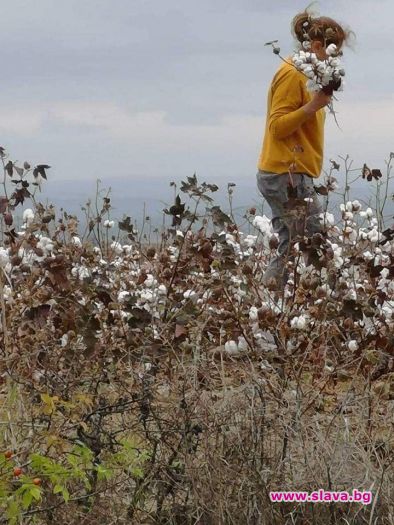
{"x": 292, "y": 138}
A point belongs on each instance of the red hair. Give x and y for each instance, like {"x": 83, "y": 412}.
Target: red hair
{"x": 324, "y": 29}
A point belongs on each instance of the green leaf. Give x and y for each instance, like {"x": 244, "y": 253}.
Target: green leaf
{"x": 66, "y": 494}
{"x": 36, "y": 493}
{"x": 27, "y": 498}
{"x": 137, "y": 472}
{"x": 103, "y": 473}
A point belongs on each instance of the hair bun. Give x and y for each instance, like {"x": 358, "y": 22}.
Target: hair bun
{"x": 304, "y": 26}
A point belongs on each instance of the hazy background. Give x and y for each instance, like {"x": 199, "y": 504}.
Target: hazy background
{"x": 139, "y": 93}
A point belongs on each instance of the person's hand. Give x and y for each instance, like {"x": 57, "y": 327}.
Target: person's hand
{"x": 320, "y": 99}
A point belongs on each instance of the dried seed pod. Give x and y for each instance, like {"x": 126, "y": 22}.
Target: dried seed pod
{"x": 315, "y": 281}
{"x": 16, "y": 260}
{"x": 8, "y": 219}
{"x": 247, "y": 269}
{"x": 47, "y": 218}
{"x": 273, "y": 242}
{"x": 321, "y": 293}
{"x": 306, "y": 283}
{"x": 164, "y": 258}
{"x": 150, "y": 253}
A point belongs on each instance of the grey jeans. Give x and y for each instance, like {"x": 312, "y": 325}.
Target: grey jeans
{"x": 274, "y": 188}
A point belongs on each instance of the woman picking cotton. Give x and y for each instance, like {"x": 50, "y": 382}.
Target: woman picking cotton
{"x": 291, "y": 156}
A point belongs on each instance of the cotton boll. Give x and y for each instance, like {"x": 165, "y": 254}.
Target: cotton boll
{"x": 4, "y": 257}
{"x": 190, "y": 294}
{"x": 76, "y": 241}
{"x": 334, "y": 62}
{"x": 147, "y": 295}
{"x": 123, "y": 295}
{"x": 363, "y": 235}
{"x": 373, "y": 235}
{"x": 45, "y": 244}
{"x": 28, "y": 216}
{"x": 351, "y": 295}
{"x": 331, "y": 49}
{"x": 231, "y": 347}
{"x": 384, "y": 273}
{"x": 385, "y": 260}
{"x": 338, "y": 262}
{"x": 299, "y": 323}
{"x": 162, "y": 290}
{"x": 83, "y": 273}
{"x": 327, "y": 218}
{"x": 250, "y": 240}
{"x": 117, "y": 247}
{"x": 263, "y": 223}
{"x": 242, "y": 344}
{"x": 368, "y": 256}
{"x": 109, "y": 224}
{"x": 253, "y": 313}
{"x": 356, "y": 205}
{"x": 150, "y": 281}
{"x": 127, "y": 249}
{"x": 352, "y": 345}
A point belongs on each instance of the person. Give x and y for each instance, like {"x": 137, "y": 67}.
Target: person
{"x": 292, "y": 149}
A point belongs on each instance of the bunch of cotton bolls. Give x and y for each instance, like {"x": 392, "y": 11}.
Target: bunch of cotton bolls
{"x": 320, "y": 73}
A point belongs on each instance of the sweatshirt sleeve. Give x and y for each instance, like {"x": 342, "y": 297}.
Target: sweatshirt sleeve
{"x": 286, "y": 113}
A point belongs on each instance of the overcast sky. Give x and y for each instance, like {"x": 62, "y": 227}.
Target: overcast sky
{"x": 150, "y": 88}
